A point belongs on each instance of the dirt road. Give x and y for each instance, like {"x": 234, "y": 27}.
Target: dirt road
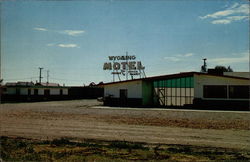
{"x": 87, "y": 119}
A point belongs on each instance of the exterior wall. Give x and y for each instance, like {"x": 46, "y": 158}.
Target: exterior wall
{"x": 201, "y": 80}
{"x": 31, "y": 91}
{"x": 134, "y": 89}
{"x": 65, "y": 91}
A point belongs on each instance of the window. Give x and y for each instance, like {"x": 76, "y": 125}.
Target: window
{"x": 215, "y": 91}
{"x": 239, "y": 92}
{"x": 61, "y": 92}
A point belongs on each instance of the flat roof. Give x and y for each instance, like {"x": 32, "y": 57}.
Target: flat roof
{"x": 177, "y": 75}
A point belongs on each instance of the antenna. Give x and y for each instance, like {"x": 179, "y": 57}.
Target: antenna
{"x": 40, "y": 75}
{"x": 204, "y": 66}
{"x": 47, "y": 76}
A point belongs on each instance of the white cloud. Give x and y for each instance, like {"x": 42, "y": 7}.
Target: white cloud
{"x": 222, "y": 21}
{"x": 234, "y": 5}
{"x": 67, "y": 32}
{"x": 236, "y": 12}
{"x": 41, "y": 29}
{"x": 172, "y": 58}
{"x": 188, "y": 55}
{"x": 243, "y": 57}
{"x": 73, "y": 32}
{"x": 178, "y": 57}
{"x": 68, "y": 45}
{"x": 235, "y": 18}
{"x": 50, "y": 44}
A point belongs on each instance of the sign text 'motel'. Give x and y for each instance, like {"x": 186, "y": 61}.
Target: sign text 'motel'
{"x": 122, "y": 63}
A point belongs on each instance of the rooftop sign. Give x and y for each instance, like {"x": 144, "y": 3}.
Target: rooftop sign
{"x": 124, "y": 65}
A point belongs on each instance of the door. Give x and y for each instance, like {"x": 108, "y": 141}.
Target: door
{"x": 46, "y": 92}
{"x": 123, "y": 96}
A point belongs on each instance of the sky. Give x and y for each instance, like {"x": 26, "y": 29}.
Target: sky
{"x": 73, "y": 39}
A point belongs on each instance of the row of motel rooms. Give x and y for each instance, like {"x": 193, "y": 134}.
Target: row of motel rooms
{"x": 182, "y": 89}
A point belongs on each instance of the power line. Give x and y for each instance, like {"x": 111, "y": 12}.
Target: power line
{"x": 67, "y": 79}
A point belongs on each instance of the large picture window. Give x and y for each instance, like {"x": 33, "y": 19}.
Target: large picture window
{"x": 174, "y": 91}
{"x": 239, "y": 92}
{"x": 215, "y": 91}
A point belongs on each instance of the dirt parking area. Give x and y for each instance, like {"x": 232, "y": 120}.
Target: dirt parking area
{"x": 88, "y": 119}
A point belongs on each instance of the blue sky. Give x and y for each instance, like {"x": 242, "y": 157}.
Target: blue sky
{"x": 72, "y": 39}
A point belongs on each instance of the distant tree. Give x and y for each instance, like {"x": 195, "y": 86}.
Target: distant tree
{"x": 223, "y": 68}
{"x": 92, "y": 84}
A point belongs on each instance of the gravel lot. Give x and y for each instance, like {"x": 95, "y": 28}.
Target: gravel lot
{"x": 88, "y": 119}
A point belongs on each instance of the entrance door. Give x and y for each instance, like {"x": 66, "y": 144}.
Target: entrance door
{"x": 46, "y": 92}
{"x": 123, "y": 96}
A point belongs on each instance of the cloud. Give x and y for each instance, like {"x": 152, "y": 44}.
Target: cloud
{"x": 222, "y": 21}
{"x": 178, "y": 57}
{"x": 172, "y": 58}
{"x": 68, "y": 45}
{"x": 41, "y": 29}
{"x": 236, "y": 12}
{"x": 73, "y": 32}
{"x": 67, "y": 32}
{"x": 235, "y": 18}
{"x": 242, "y": 58}
{"x": 188, "y": 55}
{"x": 50, "y": 44}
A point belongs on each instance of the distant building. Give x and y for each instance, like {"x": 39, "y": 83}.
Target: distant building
{"x": 28, "y": 91}
{"x": 190, "y": 89}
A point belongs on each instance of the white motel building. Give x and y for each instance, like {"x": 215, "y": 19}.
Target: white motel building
{"x": 190, "y": 89}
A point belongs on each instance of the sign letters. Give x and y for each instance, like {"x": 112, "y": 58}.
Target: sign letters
{"x": 123, "y": 64}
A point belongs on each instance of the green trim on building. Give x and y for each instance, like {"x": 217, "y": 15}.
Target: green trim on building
{"x": 147, "y": 93}
{"x": 185, "y": 82}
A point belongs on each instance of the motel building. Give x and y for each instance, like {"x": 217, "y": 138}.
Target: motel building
{"x": 229, "y": 90}
{"x": 29, "y": 91}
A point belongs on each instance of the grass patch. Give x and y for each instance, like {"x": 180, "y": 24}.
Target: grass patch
{"x": 20, "y": 149}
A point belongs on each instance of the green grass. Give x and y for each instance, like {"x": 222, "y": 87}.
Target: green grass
{"x": 20, "y": 149}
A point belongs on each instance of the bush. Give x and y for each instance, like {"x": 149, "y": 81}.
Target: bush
{"x": 60, "y": 142}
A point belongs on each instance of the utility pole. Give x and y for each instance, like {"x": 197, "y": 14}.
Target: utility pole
{"x": 40, "y": 75}
{"x": 47, "y": 76}
{"x": 127, "y": 66}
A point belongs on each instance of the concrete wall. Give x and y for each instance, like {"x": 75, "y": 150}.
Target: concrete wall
{"x": 201, "y": 80}
{"x": 65, "y": 91}
{"x": 40, "y": 91}
{"x": 134, "y": 89}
